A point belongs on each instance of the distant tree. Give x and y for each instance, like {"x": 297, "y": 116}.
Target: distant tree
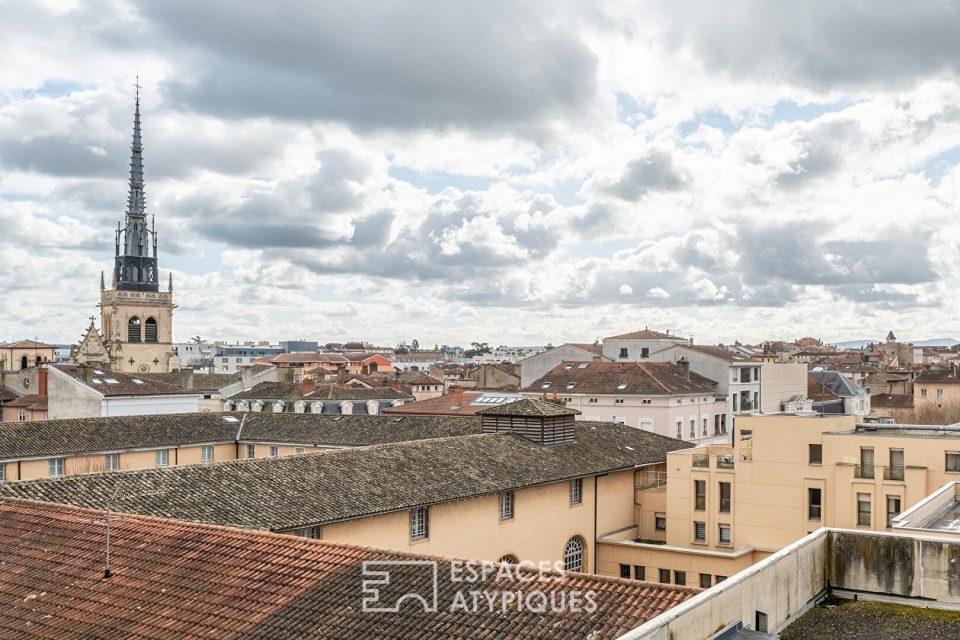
{"x": 477, "y": 349}
{"x": 401, "y": 349}
{"x": 415, "y": 345}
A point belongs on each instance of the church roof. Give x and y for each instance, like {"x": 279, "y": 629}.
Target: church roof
{"x": 27, "y": 344}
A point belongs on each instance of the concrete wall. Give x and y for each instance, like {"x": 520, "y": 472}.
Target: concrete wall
{"x": 149, "y": 405}
{"x": 535, "y": 367}
{"x": 780, "y": 381}
{"x": 68, "y": 398}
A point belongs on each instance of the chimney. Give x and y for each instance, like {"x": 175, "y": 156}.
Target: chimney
{"x": 341, "y": 376}
{"x": 395, "y": 385}
{"x": 458, "y": 395}
{"x": 246, "y": 376}
{"x": 309, "y": 386}
{"x": 684, "y": 366}
{"x": 42, "y": 382}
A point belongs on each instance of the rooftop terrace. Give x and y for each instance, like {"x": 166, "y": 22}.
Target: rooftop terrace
{"x": 864, "y": 620}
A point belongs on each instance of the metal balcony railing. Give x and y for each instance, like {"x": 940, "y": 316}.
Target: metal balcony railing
{"x": 725, "y": 462}
{"x": 700, "y": 460}
{"x": 893, "y": 473}
{"x": 864, "y": 471}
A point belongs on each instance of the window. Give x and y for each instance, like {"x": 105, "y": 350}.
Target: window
{"x": 150, "y": 330}
{"x": 700, "y": 531}
{"x": 660, "y": 522}
{"x": 206, "y": 453}
{"x": 896, "y": 464}
{"x": 133, "y": 329}
{"x": 113, "y": 461}
{"x": 665, "y": 576}
{"x": 705, "y": 422}
{"x": 573, "y": 555}
{"x": 939, "y": 394}
{"x": 576, "y": 491}
{"x": 592, "y": 401}
{"x": 623, "y": 352}
{"x": 700, "y": 495}
{"x": 644, "y": 352}
{"x": 705, "y": 580}
{"x": 162, "y": 457}
{"x": 3, "y": 472}
{"x": 761, "y": 622}
{"x": 893, "y": 509}
{"x": 22, "y": 415}
{"x": 724, "y": 530}
{"x": 815, "y": 453}
{"x": 274, "y": 451}
{"x": 953, "y": 461}
{"x": 624, "y": 571}
{"x": 923, "y": 393}
{"x": 639, "y": 572}
{"x": 618, "y": 401}
{"x": 693, "y": 427}
{"x": 506, "y": 505}
{"x": 745, "y": 374}
{"x": 725, "y": 497}
{"x": 719, "y": 579}
{"x": 680, "y": 577}
{"x": 814, "y": 504}
{"x": 866, "y": 462}
{"x": 863, "y": 510}
{"x": 314, "y": 533}
{"x": 571, "y": 385}
{"x": 298, "y": 450}
{"x": 419, "y": 523}
{"x": 679, "y": 428}
{"x": 56, "y": 467}
{"x": 251, "y": 451}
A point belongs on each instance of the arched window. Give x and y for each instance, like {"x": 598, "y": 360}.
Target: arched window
{"x": 573, "y": 555}
{"x": 24, "y": 363}
{"x": 508, "y": 559}
{"x": 133, "y": 329}
{"x": 134, "y": 274}
{"x": 150, "y": 330}
{"x": 39, "y": 361}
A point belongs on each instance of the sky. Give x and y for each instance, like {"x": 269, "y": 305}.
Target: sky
{"x": 505, "y": 172}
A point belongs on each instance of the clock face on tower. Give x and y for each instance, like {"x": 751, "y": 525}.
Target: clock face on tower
{"x": 144, "y": 369}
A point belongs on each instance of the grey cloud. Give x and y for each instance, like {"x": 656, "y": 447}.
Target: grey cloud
{"x": 333, "y": 187}
{"x": 822, "y": 44}
{"x": 822, "y": 153}
{"x": 372, "y": 231}
{"x": 60, "y": 156}
{"x": 653, "y": 171}
{"x": 390, "y": 64}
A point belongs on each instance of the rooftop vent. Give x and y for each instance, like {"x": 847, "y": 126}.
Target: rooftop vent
{"x": 541, "y": 421}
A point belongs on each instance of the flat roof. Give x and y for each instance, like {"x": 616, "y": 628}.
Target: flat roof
{"x": 866, "y": 620}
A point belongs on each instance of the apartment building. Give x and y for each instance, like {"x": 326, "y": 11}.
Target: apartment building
{"x": 79, "y": 391}
{"x": 726, "y": 507}
{"x": 534, "y": 367}
{"x": 232, "y": 358}
{"x": 484, "y": 496}
{"x": 936, "y": 395}
{"x": 660, "y": 397}
{"x": 638, "y": 345}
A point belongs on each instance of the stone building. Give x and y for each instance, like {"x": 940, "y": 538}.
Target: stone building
{"x": 136, "y": 318}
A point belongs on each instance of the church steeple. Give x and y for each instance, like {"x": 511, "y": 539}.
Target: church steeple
{"x": 135, "y": 266}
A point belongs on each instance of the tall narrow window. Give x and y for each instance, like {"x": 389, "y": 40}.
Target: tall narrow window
{"x": 665, "y": 576}
{"x": 24, "y": 363}
{"x": 251, "y": 451}
{"x": 113, "y": 461}
{"x": 724, "y": 497}
{"x": 3, "y": 472}
{"x": 700, "y": 531}
{"x": 163, "y": 457}
{"x": 700, "y": 495}
{"x": 150, "y": 330}
{"x": 680, "y": 577}
{"x": 866, "y": 462}
{"x": 893, "y": 509}
{"x": 419, "y": 523}
{"x": 573, "y": 555}
{"x": 56, "y": 467}
{"x": 953, "y": 461}
{"x": 863, "y": 510}
{"x": 639, "y": 572}
{"x": 207, "y": 453}
{"x": 506, "y": 505}
{"x": 274, "y": 451}
{"x": 814, "y": 504}
{"x": 576, "y": 491}
{"x": 815, "y": 453}
{"x": 133, "y": 329}
{"x": 724, "y": 534}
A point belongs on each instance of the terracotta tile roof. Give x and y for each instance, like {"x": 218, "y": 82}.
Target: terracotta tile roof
{"x": 530, "y": 407}
{"x": 33, "y": 402}
{"x": 292, "y": 492}
{"x": 420, "y": 378}
{"x": 645, "y": 334}
{"x": 271, "y": 391}
{"x": 175, "y": 579}
{"x": 418, "y": 356}
{"x": 621, "y": 378}
{"x": 114, "y": 383}
{"x": 49, "y": 438}
{"x": 949, "y": 375}
{"x": 201, "y": 381}
{"x": 27, "y": 344}
{"x": 892, "y": 401}
{"x": 6, "y": 393}
{"x": 363, "y": 357}
{"x": 333, "y": 392}
{"x": 717, "y": 352}
{"x": 309, "y": 357}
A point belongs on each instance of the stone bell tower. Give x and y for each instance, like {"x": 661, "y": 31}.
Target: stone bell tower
{"x": 136, "y": 318}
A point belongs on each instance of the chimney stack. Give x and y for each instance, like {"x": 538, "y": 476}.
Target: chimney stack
{"x": 42, "y": 381}
{"x": 309, "y": 386}
{"x": 341, "y": 376}
{"x": 458, "y": 395}
{"x": 684, "y": 365}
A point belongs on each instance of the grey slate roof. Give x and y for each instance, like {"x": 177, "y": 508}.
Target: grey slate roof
{"x": 621, "y": 378}
{"x": 49, "y": 438}
{"x": 837, "y": 384}
{"x": 313, "y": 489}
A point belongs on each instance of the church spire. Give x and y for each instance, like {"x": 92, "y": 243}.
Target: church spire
{"x": 136, "y": 261}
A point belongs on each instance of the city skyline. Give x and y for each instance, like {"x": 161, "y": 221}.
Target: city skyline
{"x": 403, "y": 177}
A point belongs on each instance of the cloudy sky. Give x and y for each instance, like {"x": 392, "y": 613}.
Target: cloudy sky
{"x": 511, "y": 172}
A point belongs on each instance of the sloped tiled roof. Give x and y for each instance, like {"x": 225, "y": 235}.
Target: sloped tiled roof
{"x": 306, "y": 357}
{"x": 33, "y": 402}
{"x": 6, "y": 393}
{"x": 892, "y": 401}
{"x": 201, "y": 381}
{"x": 48, "y": 438}
{"x": 333, "y": 392}
{"x": 314, "y": 489}
{"x": 271, "y": 391}
{"x": 948, "y": 375}
{"x": 114, "y": 383}
{"x": 175, "y": 579}
{"x": 470, "y": 404}
{"x": 645, "y": 334}
{"x": 530, "y": 407}
{"x": 622, "y": 378}
{"x": 717, "y": 352}
{"x": 27, "y": 344}
{"x": 822, "y": 385}
{"x": 595, "y": 349}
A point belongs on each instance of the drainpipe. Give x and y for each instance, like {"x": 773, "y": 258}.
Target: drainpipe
{"x": 596, "y": 481}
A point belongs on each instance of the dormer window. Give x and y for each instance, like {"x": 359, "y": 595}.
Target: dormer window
{"x": 545, "y": 385}
{"x": 621, "y": 387}
{"x": 569, "y": 366}
{"x": 571, "y": 385}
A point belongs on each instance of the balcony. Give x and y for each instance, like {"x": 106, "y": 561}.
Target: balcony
{"x": 864, "y": 471}
{"x": 651, "y": 480}
{"x": 725, "y": 462}
{"x": 700, "y": 460}
{"x": 893, "y": 473}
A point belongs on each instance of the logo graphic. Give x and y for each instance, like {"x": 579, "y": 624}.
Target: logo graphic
{"x": 388, "y": 583}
